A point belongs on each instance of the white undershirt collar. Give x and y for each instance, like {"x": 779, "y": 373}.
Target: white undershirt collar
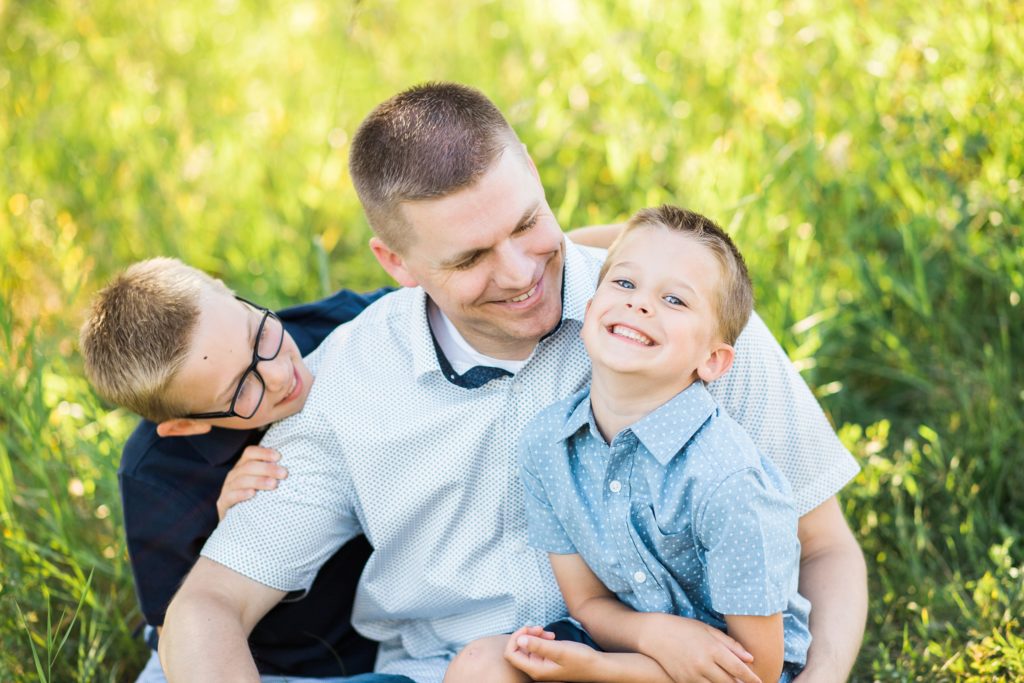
{"x": 458, "y": 351}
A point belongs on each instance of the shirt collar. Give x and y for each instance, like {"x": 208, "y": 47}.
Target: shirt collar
{"x": 665, "y": 431}
{"x": 578, "y": 284}
{"x": 219, "y": 446}
{"x": 580, "y": 416}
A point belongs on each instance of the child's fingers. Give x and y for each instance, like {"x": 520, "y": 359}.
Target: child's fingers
{"x": 259, "y": 453}
{"x": 733, "y": 645}
{"x": 255, "y": 468}
{"x": 252, "y": 481}
{"x": 520, "y": 660}
{"x": 542, "y": 648}
{"x": 537, "y": 631}
{"x": 230, "y": 498}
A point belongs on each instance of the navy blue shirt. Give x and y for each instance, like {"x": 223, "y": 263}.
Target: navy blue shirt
{"x": 169, "y": 490}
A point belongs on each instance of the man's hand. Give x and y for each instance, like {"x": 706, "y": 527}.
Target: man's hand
{"x": 255, "y": 471}
{"x": 689, "y": 650}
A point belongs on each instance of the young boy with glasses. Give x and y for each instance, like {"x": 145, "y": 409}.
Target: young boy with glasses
{"x": 209, "y": 371}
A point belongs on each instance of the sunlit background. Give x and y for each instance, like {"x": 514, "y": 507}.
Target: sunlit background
{"x": 867, "y": 158}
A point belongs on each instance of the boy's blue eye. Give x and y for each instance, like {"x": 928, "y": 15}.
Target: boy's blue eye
{"x": 625, "y": 284}
{"x": 674, "y": 300}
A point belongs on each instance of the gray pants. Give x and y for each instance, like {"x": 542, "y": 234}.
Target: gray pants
{"x": 154, "y": 673}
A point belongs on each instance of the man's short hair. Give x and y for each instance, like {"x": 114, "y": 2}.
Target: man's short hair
{"x": 735, "y": 296}
{"x": 138, "y": 334}
{"x": 424, "y": 143}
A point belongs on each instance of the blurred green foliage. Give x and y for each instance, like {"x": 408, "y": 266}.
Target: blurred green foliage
{"x": 867, "y": 157}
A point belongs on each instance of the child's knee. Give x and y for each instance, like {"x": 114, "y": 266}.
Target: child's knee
{"x": 484, "y": 660}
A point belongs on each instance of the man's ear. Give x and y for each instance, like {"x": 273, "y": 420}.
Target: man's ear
{"x": 182, "y": 427}
{"x": 717, "y": 363}
{"x": 391, "y": 262}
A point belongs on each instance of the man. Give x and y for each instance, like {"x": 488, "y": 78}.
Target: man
{"x": 410, "y": 431}
{"x": 209, "y": 372}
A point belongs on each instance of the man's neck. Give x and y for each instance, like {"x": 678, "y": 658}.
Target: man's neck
{"x": 460, "y": 351}
{"x": 620, "y": 400}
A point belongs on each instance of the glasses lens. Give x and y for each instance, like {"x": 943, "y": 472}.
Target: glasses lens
{"x": 270, "y": 339}
{"x": 249, "y": 397}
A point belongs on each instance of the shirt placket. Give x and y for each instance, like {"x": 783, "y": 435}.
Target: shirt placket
{"x": 618, "y": 498}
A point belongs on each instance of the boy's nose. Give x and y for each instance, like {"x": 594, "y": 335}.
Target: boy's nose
{"x": 638, "y": 304}
{"x": 276, "y": 373}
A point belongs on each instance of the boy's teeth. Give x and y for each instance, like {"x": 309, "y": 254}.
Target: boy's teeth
{"x": 524, "y": 297}
{"x": 630, "y": 333}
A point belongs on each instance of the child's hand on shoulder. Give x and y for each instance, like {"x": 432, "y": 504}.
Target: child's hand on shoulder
{"x": 256, "y": 470}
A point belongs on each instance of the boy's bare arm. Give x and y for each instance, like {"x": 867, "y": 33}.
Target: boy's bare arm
{"x": 833, "y": 577}
{"x": 764, "y": 638}
{"x": 600, "y": 236}
{"x": 685, "y": 649}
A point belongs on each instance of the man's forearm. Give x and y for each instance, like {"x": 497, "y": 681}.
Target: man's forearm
{"x": 834, "y": 579}
{"x": 206, "y": 630}
{"x": 203, "y": 640}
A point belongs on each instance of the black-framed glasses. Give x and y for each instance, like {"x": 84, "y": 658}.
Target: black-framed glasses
{"x": 251, "y": 388}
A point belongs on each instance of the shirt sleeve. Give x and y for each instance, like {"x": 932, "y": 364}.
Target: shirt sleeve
{"x": 281, "y": 538}
{"x": 544, "y": 530}
{"x": 165, "y": 529}
{"x": 769, "y": 398}
{"x": 749, "y": 532}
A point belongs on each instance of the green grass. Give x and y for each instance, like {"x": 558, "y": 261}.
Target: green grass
{"x": 867, "y": 157}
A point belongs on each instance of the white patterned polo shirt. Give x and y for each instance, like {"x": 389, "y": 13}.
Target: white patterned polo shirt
{"x": 389, "y": 445}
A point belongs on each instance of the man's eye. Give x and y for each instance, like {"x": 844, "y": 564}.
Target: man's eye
{"x": 625, "y": 284}
{"x": 674, "y": 300}
{"x": 527, "y": 225}
{"x": 467, "y": 263}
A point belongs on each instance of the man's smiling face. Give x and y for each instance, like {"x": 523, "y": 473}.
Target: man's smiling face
{"x": 490, "y": 256}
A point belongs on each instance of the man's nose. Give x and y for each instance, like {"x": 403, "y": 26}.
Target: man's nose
{"x": 515, "y": 268}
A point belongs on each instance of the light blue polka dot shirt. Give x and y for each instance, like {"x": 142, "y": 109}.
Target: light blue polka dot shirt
{"x": 679, "y": 514}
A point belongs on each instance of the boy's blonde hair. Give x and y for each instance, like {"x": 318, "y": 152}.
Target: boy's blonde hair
{"x": 735, "y": 296}
{"x": 139, "y": 331}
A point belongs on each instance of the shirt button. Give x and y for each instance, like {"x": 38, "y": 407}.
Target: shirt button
{"x": 639, "y": 577}
{"x": 615, "y": 486}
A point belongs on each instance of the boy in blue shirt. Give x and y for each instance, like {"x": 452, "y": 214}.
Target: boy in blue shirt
{"x": 654, "y": 505}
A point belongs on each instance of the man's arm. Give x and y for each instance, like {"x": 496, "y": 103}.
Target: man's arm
{"x": 833, "y": 577}
{"x": 600, "y": 236}
{"x": 206, "y": 630}
{"x": 763, "y": 637}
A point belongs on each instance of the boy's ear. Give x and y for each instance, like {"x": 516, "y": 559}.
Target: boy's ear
{"x": 392, "y": 262}
{"x": 717, "y": 363}
{"x": 182, "y": 426}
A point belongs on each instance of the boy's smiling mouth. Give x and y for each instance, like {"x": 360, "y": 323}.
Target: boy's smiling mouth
{"x": 631, "y": 334}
